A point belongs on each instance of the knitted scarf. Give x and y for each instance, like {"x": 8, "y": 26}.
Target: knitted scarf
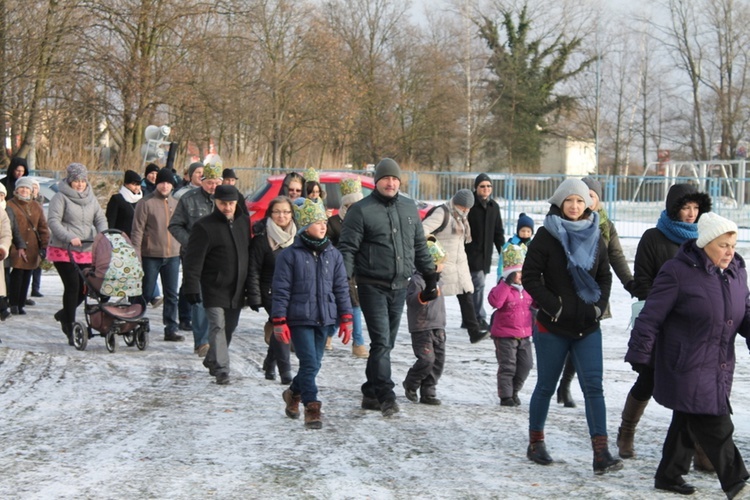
{"x": 280, "y": 238}
{"x": 676, "y": 231}
{"x": 580, "y": 240}
{"x": 314, "y": 244}
{"x": 130, "y": 196}
{"x": 604, "y": 224}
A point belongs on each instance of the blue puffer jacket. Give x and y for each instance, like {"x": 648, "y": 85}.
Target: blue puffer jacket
{"x": 687, "y": 328}
{"x": 310, "y": 288}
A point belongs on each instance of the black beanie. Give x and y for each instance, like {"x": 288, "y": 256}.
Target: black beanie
{"x": 387, "y": 167}
{"x": 165, "y": 175}
{"x": 480, "y": 178}
{"x": 151, "y": 167}
{"x": 131, "y": 177}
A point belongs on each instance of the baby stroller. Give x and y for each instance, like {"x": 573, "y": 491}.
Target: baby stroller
{"x": 116, "y": 274}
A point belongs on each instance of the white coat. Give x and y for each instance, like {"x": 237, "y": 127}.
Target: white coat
{"x": 455, "y": 275}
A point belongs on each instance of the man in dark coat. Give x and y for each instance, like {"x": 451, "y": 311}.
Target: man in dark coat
{"x": 215, "y": 271}
{"x": 486, "y": 230}
{"x": 382, "y": 242}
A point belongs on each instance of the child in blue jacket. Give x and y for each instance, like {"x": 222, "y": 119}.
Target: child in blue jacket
{"x": 310, "y": 296}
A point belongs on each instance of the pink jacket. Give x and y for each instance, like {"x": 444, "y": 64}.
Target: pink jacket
{"x": 513, "y": 316}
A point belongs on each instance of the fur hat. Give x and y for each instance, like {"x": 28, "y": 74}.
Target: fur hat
{"x": 679, "y": 194}
{"x": 76, "y": 172}
{"x": 463, "y": 198}
{"x": 711, "y": 226}
{"x": 525, "y": 221}
{"x": 311, "y": 175}
{"x": 513, "y": 257}
{"x": 25, "y": 182}
{"x": 151, "y": 167}
{"x": 481, "y": 178}
{"x": 212, "y": 171}
{"x": 570, "y": 187}
{"x": 387, "y": 167}
{"x": 228, "y": 173}
{"x": 165, "y": 175}
{"x": 225, "y": 192}
{"x": 593, "y": 185}
{"x": 307, "y": 212}
{"x": 131, "y": 177}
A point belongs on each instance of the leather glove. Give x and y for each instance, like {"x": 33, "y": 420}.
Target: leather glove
{"x": 431, "y": 290}
{"x": 281, "y": 330}
{"x": 346, "y": 326}
{"x": 193, "y": 298}
{"x": 640, "y": 368}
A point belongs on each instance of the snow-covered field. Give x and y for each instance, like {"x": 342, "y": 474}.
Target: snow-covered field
{"x": 153, "y": 424}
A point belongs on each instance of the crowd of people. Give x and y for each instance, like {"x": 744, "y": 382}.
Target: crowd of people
{"x": 314, "y": 273}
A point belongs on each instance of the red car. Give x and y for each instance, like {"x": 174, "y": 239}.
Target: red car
{"x": 257, "y": 202}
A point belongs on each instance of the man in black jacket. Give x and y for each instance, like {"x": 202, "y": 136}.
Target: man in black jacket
{"x": 486, "y": 230}
{"x": 382, "y": 242}
{"x": 215, "y": 271}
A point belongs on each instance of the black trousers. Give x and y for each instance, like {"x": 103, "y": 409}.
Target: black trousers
{"x": 19, "y": 286}
{"x": 468, "y": 313}
{"x": 714, "y": 434}
{"x": 73, "y": 291}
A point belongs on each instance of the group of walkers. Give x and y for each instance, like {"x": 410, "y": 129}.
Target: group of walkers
{"x": 314, "y": 273}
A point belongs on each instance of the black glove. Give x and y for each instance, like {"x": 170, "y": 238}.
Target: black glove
{"x": 193, "y": 298}
{"x": 431, "y": 291}
{"x": 640, "y": 368}
{"x": 254, "y": 307}
{"x": 629, "y": 287}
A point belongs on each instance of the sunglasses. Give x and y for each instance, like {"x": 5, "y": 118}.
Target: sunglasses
{"x": 484, "y": 186}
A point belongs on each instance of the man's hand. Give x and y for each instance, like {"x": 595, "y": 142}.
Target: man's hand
{"x": 193, "y": 298}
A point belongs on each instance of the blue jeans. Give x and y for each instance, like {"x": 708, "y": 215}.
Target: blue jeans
{"x": 200, "y": 324}
{"x": 169, "y": 270}
{"x": 551, "y": 350}
{"x": 382, "y": 309}
{"x": 309, "y": 346}
{"x": 478, "y": 279}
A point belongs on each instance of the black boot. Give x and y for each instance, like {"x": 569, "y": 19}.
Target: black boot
{"x": 67, "y": 328}
{"x": 537, "y": 450}
{"x": 603, "y": 461}
{"x": 563, "y": 392}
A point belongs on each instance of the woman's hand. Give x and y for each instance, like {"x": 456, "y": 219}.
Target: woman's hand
{"x": 22, "y": 254}
{"x": 76, "y": 242}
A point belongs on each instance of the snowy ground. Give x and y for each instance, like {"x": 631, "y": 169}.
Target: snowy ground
{"x": 153, "y": 424}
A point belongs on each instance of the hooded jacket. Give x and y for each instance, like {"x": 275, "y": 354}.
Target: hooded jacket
{"x": 10, "y": 181}
{"x": 687, "y": 328}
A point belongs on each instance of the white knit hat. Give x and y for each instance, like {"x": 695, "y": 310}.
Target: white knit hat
{"x": 570, "y": 187}
{"x": 711, "y": 226}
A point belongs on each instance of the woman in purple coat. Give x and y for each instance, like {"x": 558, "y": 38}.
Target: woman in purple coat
{"x": 686, "y": 333}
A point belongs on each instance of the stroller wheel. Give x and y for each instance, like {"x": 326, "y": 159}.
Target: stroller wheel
{"x": 80, "y": 336}
{"x": 141, "y": 338}
{"x": 129, "y": 338}
{"x": 111, "y": 342}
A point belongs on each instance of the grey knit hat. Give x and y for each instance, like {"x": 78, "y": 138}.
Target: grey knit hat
{"x": 594, "y": 185}
{"x": 570, "y": 187}
{"x": 193, "y": 167}
{"x": 387, "y": 167}
{"x": 463, "y": 198}
{"x": 25, "y": 182}
{"x": 76, "y": 172}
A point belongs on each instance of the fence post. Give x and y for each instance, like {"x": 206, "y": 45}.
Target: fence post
{"x": 509, "y": 193}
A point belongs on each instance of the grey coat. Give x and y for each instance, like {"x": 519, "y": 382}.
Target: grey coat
{"x": 195, "y": 204}
{"x": 74, "y": 215}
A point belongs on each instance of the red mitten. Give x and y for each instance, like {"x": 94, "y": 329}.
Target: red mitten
{"x": 346, "y": 326}
{"x": 281, "y": 330}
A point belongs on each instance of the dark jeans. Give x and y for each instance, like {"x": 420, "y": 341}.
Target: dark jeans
{"x": 221, "y": 325}
{"x": 169, "y": 270}
{"x": 714, "y": 434}
{"x": 478, "y": 279}
{"x": 514, "y": 362}
{"x": 19, "y": 286}
{"x": 184, "y": 309}
{"x": 309, "y": 346}
{"x": 278, "y": 354}
{"x": 73, "y": 293}
{"x": 468, "y": 314}
{"x": 36, "y": 280}
{"x": 429, "y": 348}
{"x": 382, "y": 309}
{"x": 551, "y": 350}
{"x": 200, "y": 325}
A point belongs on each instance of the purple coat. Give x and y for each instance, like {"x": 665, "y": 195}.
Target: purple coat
{"x": 687, "y": 328}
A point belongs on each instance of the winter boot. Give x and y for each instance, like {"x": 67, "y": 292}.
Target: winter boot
{"x": 312, "y": 415}
{"x": 269, "y": 369}
{"x": 631, "y": 415}
{"x": 508, "y": 402}
{"x": 292, "y": 403}
{"x": 603, "y": 461}
{"x": 360, "y": 351}
{"x": 701, "y": 461}
{"x": 329, "y": 343}
{"x": 477, "y": 335}
{"x": 563, "y": 391}
{"x": 537, "y": 450}
{"x": 516, "y": 399}
{"x": 286, "y": 378}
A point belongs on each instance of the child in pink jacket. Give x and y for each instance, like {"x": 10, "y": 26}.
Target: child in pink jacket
{"x": 511, "y": 327}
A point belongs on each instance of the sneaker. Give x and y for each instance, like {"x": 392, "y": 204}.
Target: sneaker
{"x": 410, "y": 394}
{"x": 36, "y": 294}
{"x": 185, "y": 326}
{"x": 30, "y": 302}
{"x": 389, "y": 407}
{"x": 202, "y": 350}
{"x": 370, "y": 403}
{"x": 430, "y": 400}
{"x": 157, "y": 301}
{"x": 173, "y": 337}
{"x": 222, "y": 378}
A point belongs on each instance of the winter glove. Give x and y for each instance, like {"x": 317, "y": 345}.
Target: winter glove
{"x": 281, "y": 330}
{"x": 254, "y": 307}
{"x": 431, "y": 290}
{"x": 193, "y": 298}
{"x": 345, "y": 328}
{"x": 629, "y": 287}
{"x": 640, "y": 368}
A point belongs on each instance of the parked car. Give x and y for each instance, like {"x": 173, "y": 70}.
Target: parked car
{"x": 257, "y": 202}
{"x": 47, "y": 188}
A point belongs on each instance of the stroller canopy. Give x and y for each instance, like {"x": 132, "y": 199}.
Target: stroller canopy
{"x": 117, "y": 265}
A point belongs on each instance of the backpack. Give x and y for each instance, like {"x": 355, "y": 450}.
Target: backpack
{"x": 446, "y": 217}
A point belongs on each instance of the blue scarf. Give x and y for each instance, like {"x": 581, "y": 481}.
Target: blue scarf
{"x": 580, "y": 240}
{"x": 676, "y": 231}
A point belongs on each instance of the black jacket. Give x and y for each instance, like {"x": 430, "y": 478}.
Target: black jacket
{"x": 486, "y": 230}
{"x": 120, "y": 214}
{"x": 545, "y": 276}
{"x": 262, "y": 265}
{"x": 654, "y": 249}
{"x": 216, "y": 260}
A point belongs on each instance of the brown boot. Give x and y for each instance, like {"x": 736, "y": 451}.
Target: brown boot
{"x": 603, "y": 461}
{"x": 292, "y": 403}
{"x": 701, "y": 461}
{"x": 329, "y": 343}
{"x": 312, "y": 415}
{"x": 360, "y": 351}
{"x": 631, "y": 415}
